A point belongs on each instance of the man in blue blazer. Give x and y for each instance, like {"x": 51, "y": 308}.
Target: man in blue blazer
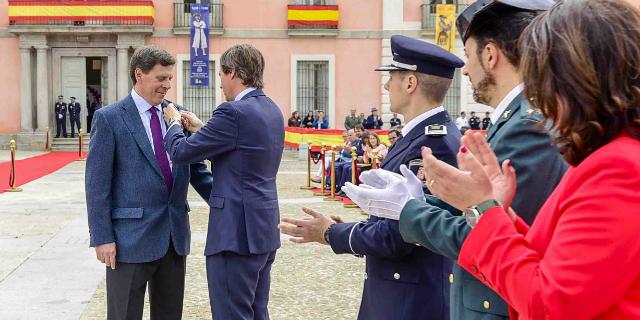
{"x": 243, "y": 235}
{"x": 402, "y": 280}
{"x": 137, "y": 199}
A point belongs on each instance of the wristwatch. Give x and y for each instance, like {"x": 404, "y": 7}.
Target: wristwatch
{"x": 325, "y": 235}
{"x": 474, "y": 213}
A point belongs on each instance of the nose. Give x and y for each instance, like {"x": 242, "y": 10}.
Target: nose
{"x": 465, "y": 70}
{"x": 386, "y": 85}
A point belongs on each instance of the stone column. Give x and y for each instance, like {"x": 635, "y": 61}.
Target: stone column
{"x": 123, "y": 71}
{"x": 42, "y": 88}
{"x": 26, "y": 106}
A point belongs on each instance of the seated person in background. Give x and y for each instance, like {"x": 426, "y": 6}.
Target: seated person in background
{"x": 343, "y": 156}
{"x": 373, "y": 145}
{"x": 307, "y": 122}
{"x": 321, "y": 122}
{"x": 295, "y": 120}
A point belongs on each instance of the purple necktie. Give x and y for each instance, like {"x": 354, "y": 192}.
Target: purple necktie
{"x": 158, "y": 147}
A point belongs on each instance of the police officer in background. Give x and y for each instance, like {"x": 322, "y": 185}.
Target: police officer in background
{"x": 474, "y": 121}
{"x": 74, "y": 115}
{"x": 402, "y": 280}
{"x": 486, "y": 121}
{"x": 61, "y": 117}
{"x": 395, "y": 121}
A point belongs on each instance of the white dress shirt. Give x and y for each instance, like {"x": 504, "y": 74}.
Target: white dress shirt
{"x": 415, "y": 121}
{"x": 244, "y": 93}
{"x": 145, "y": 115}
{"x": 506, "y": 101}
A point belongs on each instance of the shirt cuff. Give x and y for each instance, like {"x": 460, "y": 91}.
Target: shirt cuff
{"x": 174, "y": 123}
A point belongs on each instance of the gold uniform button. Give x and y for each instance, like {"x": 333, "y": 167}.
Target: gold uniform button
{"x": 486, "y": 304}
{"x": 450, "y": 278}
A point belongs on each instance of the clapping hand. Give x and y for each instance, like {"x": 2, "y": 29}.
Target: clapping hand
{"x": 479, "y": 178}
{"x": 310, "y": 229}
{"x": 190, "y": 121}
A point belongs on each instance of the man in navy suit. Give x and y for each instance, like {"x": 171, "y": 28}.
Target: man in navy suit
{"x": 402, "y": 280}
{"x": 243, "y": 235}
{"x": 137, "y": 199}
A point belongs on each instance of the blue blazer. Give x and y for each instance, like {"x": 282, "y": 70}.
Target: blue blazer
{"x": 244, "y": 141}
{"x": 127, "y": 200}
{"x": 403, "y": 281}
{"x": 323, "y": 125}
{"x": 371, "y": 123}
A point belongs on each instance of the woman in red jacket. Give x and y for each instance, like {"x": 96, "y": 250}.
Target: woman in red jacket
{"x": 581, "y": 257}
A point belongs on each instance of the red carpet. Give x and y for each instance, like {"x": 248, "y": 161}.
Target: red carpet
{"x": 30, "y": 169}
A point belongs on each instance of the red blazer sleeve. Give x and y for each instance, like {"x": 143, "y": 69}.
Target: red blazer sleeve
{"x": 592, "y": 256}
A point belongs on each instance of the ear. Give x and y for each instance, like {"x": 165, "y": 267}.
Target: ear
{"x": 410, "y": 83}
{"x": 138, "y": 73}
{"x": 491, "y": 55}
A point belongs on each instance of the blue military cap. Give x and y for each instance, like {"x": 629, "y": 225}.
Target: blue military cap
{"x": 416, "y": 55}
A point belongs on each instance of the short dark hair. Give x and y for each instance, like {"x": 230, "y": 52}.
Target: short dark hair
{"x": 503, "y": 30}
{"x": 248, "y": 63}
{"x": 359, "y": 126}
{"x": 396, "y": 131}
{"x": 147, "y": 57}
{"x": 585, "y": 63}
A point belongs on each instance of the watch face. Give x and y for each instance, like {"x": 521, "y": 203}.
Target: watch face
{"x": 472, "y": 216}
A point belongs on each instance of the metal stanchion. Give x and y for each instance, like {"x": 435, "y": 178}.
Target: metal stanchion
{"x": 308, "y": 186}
{"x": 80, "y": 146}
{"x": 46, "y": 142}
{"x": 354, "y": 173}
{"x": 12, "y": 174}
{"x": 332, "y": 195}
{"x": 374, "y": 159}
{"x": 323, "y": 192}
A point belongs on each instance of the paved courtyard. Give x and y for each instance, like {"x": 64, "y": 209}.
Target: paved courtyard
{"x": 48, "y": 271}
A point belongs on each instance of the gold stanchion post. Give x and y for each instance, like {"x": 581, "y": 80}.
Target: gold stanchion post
{"x": 332, "y": 195}
{"x": 374, "y": 159}
{"x": 46, "y": 142}
{"x": 323, "y": 192}
{"x": 354, "y": 177}
{"x": 80, "y": 146}
{"x": 12, "y": 174}
{"x": 308, "y": 186}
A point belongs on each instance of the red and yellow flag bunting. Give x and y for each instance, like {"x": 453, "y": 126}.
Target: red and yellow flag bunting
{"x": 313, "y": 15}
{"x": 21, "y": 11}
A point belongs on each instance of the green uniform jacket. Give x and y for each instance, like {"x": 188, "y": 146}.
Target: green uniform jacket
{"x": 440, "y": 227}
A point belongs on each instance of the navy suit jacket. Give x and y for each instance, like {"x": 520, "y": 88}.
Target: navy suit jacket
{"x": 371, "y": 123}
{"x": 244, "y": 212}
{"x": 403, "y": 281}
{"x": 127, "y": 199}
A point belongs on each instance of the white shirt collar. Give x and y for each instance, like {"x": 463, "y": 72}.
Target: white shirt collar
{"x": 142, "y": 104}
{"x": 506, "y": 101}
{"x": 413, "y": 123}
{"x": 244, "y": 93}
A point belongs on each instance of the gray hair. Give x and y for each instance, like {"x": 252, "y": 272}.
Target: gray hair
{"x": 147, "y": 57}
{"x": 248, "y": 63}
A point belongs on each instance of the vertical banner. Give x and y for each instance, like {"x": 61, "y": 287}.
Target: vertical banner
{"x": 200, "y": 45}
{"x": 445, "y": 28}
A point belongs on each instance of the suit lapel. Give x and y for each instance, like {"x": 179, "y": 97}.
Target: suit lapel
{"x": 133, "y": 122}
{"x": 513, "y": 108}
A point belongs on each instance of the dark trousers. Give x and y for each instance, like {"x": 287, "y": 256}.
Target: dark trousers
{"x": 127, "y": 283}
{"x": 61, "y": 124}
{"x": 75, "y": 121}
{"x": 239, "y": 285}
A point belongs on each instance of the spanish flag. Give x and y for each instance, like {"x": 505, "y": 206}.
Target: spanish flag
{"x": 313, "y": 15}
{"x": 22, "y": 12}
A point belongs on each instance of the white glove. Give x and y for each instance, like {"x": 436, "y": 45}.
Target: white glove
{"x": 381, "y": 179}
{"x": 387, "y": 201}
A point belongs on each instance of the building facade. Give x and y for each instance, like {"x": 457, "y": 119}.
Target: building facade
{"x": 47, "y": 50}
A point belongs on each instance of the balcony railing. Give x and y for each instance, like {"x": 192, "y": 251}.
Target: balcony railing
{"x": 312, "y": 15}
{"x": 429, "y": 18}
{"x": 182, "y": 15}
{"x": 81, "y": 12}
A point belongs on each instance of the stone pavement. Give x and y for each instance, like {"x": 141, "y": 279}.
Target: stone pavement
{"x": 48, "y": 271}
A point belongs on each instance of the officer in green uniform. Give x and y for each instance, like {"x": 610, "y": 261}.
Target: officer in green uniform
{"x": 488, "y": 29}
